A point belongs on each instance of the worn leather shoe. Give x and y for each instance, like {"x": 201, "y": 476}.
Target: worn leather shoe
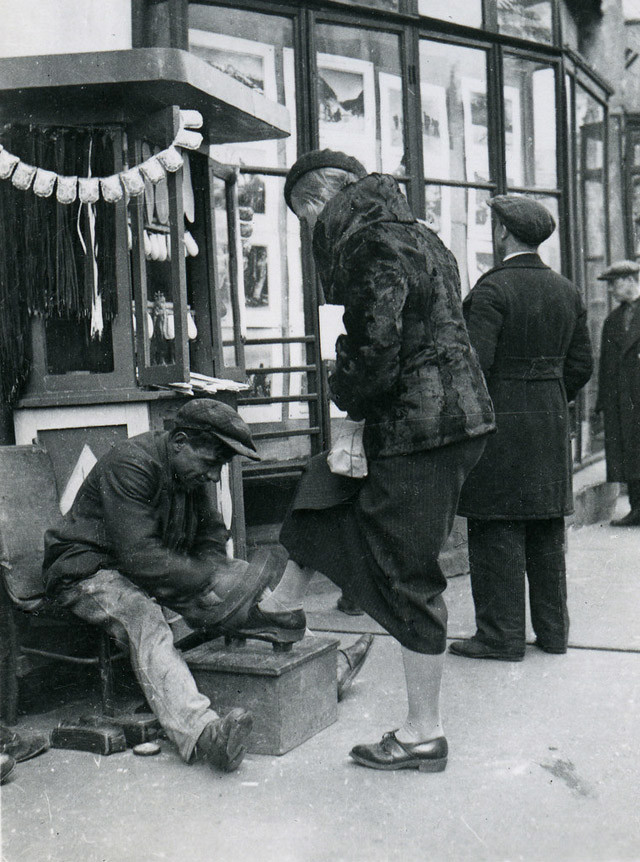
{"x": 280, "y": 627}
{"x": 559, "y": 650}
{"x": 223, "y": 742}
{"x": 346, "y": 606}
{"x": 22, "y": 746}
{"x": 474, "y": 648}
{"x": 632, "y": 519}
{"x": 390, "y": 753}
{"x": 7, "y": 767}
{"x": 350, "y": 662}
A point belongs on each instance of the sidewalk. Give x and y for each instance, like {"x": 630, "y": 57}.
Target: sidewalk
{"x": 544, "y": 759}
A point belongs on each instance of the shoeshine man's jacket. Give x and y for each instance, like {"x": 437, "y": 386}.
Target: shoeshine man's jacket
{"x": 130, "y": 514}
{"x": 405, "y": 364}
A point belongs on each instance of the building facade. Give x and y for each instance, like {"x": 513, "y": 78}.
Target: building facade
{"x": 459, "y": 100}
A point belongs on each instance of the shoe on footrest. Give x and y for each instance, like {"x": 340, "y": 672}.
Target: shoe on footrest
{"x": 390, "y": 753}
{"x": 223, "y": 742}
{"x": 279, "y": 627}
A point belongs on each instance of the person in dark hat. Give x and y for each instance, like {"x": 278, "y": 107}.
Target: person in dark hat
{"x": 144, "y": 531}
{"x": 619, "y": 384}
{"x": 528, "y": 327}
{"x": 405, "y": 368}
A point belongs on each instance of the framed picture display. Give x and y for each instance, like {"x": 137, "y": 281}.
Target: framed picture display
{"x": 514, "y": 153}
{"x": 347, "y": 106}
{"x": 391, "y": 123}
{"x": 476, "y": 131}
{"x": 263, "y": 384}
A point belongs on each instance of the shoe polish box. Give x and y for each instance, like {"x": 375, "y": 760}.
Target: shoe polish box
{"x": 292, "y": 695}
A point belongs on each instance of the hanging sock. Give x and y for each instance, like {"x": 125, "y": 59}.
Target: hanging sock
{"x": 67, "y": 190}
{"x": 133, "y": 182}
{"x": 44, "y": 182}
{"x": 7, "y": 163}
{"x": 23, "y": 176}
{"x": 111, "y": 189}
{"x": 88, "y": 189}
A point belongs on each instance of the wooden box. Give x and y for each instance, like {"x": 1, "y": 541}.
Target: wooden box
{"x": 292, "y": 695}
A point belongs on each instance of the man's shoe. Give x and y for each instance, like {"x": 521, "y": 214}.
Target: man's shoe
{"x": 632, "y": 519}
{"x": 7, "y": 767}
{"x": 223, "y": 742}
{"x": 350, "y": 662}
{"x": 559, "y": 650}
{"x": 390, "y": 753}
{"x": 474, "y": 648}
{"x": 22, "y": 746}
{"x": 346, "y": 606}
{"x": 279, "y": 627}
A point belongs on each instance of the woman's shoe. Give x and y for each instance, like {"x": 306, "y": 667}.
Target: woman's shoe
{"x": 390, "y": 753}
{"x": 276, "y": 627}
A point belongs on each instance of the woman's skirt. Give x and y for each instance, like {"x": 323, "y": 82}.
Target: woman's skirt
{"x": 379, "y": 538}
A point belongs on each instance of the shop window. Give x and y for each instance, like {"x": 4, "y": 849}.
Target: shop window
{"x": 634, "y": 182}
{"x": 454, "y": 113}
{"x": 72, "y": 349}
{"x": 530, "y": 124}
{"x": 467, "y": 12}
{"x": 527, "y": 19}
{"x": 359, "y": 92}
{"x": 257, "y": 49}
{"x": 462, "y": 220}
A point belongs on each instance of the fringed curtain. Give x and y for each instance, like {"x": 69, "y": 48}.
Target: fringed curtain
{"x": 43, "y": 264}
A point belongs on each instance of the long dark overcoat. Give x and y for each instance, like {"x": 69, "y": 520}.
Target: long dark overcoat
{"x": 528, "y": 326}
{"x": 619, "y": 394}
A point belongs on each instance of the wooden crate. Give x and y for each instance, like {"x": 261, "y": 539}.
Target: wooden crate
{"x": 292, "y": 695}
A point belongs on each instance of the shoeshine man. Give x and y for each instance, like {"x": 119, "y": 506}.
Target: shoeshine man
{"x": 144, "y": 531}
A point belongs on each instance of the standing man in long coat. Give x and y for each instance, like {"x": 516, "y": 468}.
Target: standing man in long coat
{"x": 619, "y": 385}
{"x": 528, "y": 326}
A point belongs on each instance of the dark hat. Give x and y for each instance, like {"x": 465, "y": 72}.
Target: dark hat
{"x": 524, "y": 217}
{"x": 620, "y": 269}
{"x": 219, "y": 420}
{"x": 317, "y": 159}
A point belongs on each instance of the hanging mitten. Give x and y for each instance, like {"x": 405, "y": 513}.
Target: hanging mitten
{"x": 67, "y": 190}
{"x": 111, "y": 188}
{"x": 7, "y": 163}
{"x": 23, "y": 176}
{"x": 170, "y": 159}
{"x": 88, "y": 189}
{"x": 133, "y": 182}
{"x": 44, "y": 182}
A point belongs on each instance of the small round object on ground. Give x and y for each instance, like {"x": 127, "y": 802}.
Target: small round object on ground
{"x": 146, "y": 749}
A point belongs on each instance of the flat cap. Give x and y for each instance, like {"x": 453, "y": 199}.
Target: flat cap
{"x": 524, "y": 217}
{"x": 317, "y": 159}
{"x": 219, "y": 420}
{"x": 620, "y": 269}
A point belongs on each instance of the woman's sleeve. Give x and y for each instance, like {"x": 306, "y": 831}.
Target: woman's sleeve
{"x": 368, "y": 356}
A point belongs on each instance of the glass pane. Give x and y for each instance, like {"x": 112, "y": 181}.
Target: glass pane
{"x": 635, "y": 205}
{"x": 256, "y": 50}
{"x": 359, "y": 88}
{"x": 453, "y": 86}
{"x": 224, "y": 282}
{"x": 71, "y": 348}
{"x": 467, "y": 12}
{"x": 530, "y": 124}
{"x": 590, "y": 130}
{"x": 528, "y": 19}
{"x": 570, "y": 32}
{"x": 550, "y": 249}
{"x": 462, "y": 220}
{"x": 388, "y": 5}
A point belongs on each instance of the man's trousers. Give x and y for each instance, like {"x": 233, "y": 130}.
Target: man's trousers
{"x": 501, "y": 553}
{"x": 111, "y": 601}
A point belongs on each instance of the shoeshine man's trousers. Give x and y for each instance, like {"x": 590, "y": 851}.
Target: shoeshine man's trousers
{"x": 111, "y": 601}
{"x": 500, "y": 554}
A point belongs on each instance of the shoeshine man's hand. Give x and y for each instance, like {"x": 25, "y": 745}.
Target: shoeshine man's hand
{"x": 209, "y": 599}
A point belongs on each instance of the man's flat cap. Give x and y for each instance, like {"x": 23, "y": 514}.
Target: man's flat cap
{"x": 219, "y": 420}
{"x": 317, "y": 159}
{"x": 524, "y": 217}
{"x": 620, "y": 269}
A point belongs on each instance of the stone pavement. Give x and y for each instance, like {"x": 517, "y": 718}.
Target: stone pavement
{"x": 544, "y": 759}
